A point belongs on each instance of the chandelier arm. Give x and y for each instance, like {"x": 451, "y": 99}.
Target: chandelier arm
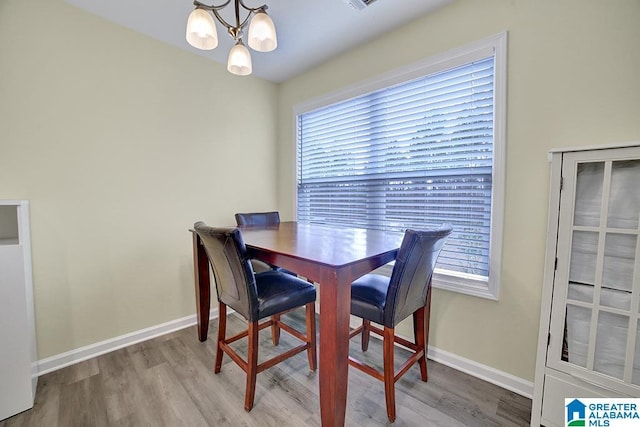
{"x": 262, "y": 8}
{"x": 221, "y": 19}
{"x": 212, "y": 7}
{"x": 237, "y": 8}
{"x": 239, "y": 25}
{"x": 234, "y": 31}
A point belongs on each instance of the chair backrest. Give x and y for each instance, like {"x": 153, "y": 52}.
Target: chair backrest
{"x": 258, "y": 218}
{"x": 235, "y": 281}
{"x": 410, "y": 281}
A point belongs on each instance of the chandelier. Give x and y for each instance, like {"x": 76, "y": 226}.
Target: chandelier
{"x": 201, "y": 32}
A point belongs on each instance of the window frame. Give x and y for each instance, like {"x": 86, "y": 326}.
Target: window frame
{"x": 494, "y": 45}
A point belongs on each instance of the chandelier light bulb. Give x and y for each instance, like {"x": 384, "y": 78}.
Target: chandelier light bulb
{"x": 262, "y": 33}
{"x": 201, "y": 30}
{"x": 239, "y": 61}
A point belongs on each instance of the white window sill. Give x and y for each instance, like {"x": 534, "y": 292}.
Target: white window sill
{"x": 468, "y": 284}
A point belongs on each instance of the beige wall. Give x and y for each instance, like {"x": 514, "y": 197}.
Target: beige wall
{"x": 573, "y": 68}
{"x": 120, "y": 143}
{"x": 110, "y": 134}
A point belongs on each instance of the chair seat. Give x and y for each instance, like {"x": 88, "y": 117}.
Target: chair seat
{"x": 368, "y": 297}
{"x": 279, "y": 291}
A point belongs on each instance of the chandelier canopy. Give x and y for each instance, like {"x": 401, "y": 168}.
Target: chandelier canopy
{"x": 261, "y": 37}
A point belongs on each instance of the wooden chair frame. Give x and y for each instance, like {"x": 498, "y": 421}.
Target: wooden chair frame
{"x": 251, "y": 366}
{"x": 419, "y": 353}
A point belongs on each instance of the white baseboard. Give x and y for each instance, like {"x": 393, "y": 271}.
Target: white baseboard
{"x": 468, "y": 366}
{"x": 494, "y": 376}
{"x": 62, "y": 360}
{"x": 478, "y": 370}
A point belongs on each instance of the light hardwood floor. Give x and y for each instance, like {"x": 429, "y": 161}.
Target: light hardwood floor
{"x": 169, "y": 381}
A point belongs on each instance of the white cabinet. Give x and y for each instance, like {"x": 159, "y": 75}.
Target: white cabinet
{"x": 18, "y": 358}
{"x": 589, "y": 340}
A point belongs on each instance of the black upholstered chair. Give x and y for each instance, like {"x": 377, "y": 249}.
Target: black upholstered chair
{"x": 255, "y": 297}
{"x": 259, "y": 219}
{"x": 388, "y": 301}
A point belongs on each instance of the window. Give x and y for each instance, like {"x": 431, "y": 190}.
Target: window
{"x": 413, "y": 149}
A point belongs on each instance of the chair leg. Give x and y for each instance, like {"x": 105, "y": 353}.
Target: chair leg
{"x": 421, "y": 334}
{"x": 366, "y": 333}
{"x": 389, "y": 380}
{"x": 252, "y": 366}
{"x": 418, "y": 331}
{"x": 275, "y": 329}
{"x": 427, "y": 319}
{"x": 311, "y": 335}
{"x": 222, "y": 326}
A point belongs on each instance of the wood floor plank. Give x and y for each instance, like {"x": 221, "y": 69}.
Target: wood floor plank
{"x": 46, "y": 405}
{"x": 512, "y": 408}
{"x": 197, "y": 377}
{"x": 125, "y": 398}
{"x": 169, "y": 381}
{"x": 79, "y": 371}
{"x": 82, "y": 403}
{"x": 147, "y": 354}
{"x": 170, "y": 399}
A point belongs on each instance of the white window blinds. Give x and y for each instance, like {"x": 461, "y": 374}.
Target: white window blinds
{"x": 413, "y": 155}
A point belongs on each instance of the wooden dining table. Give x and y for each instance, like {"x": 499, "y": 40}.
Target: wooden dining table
{"x": 330, "y": 256}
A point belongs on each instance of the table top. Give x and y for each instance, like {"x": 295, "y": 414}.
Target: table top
{"x": 327, "y": 245}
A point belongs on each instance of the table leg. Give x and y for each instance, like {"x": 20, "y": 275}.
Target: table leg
{"x": 335, "y": 301}
{"x": 202, "y": 285}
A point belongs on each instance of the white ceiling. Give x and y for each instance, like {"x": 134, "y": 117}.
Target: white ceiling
{"x": 309, "y": 31}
